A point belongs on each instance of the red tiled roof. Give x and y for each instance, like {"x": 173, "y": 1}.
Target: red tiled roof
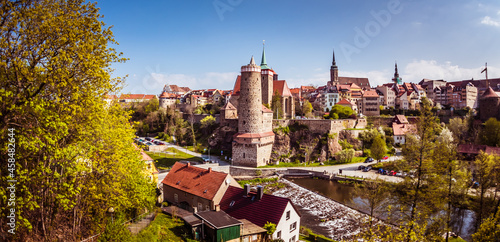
{"x": 307, "y": 88}
{"x": 268, "y": 209}
{"x": 402, "y": 129}
{"x": 168, "y": 95}
{"x": 360, "y": 81}
{"x": 236, "y": 89}
{"x": 476, "y": 149}
{"x": 197, "y": 181}
{"x": 282, "y": 88}
{"x": 149, "y": 96}
{"x": 266, "y": 110}
{"x": 489, "y": 93}
{"x": 401, "y": 119}
{"x": 132, "y": 96}
{"x": 344, "y": 102}
{"x": 370, "y": 93}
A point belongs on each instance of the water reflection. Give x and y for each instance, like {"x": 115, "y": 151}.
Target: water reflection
{"x": 463, "y": 220}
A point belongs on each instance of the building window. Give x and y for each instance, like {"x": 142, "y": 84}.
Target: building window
{"x": 278, "y": 235}
{"x": 200, "y": 206}
{"x": 207, "y": 207}
{"x": 176, "y": 198}
{"x": 287, "y": 215}
{"x": 293, "y": 226}
{"x": 245, "y": 239}
{"x": 254, "y": 237}
{"x": 243, "y": 155}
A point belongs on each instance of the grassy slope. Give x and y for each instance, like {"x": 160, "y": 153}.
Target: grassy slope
{"x": 163, "y": 161}
{"x": 163, "y": 228}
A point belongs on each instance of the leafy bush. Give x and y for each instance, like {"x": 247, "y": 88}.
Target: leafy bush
{"x": 345, "y": 156}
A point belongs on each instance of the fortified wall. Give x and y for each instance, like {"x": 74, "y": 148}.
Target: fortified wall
{"x": 323, "y": 125}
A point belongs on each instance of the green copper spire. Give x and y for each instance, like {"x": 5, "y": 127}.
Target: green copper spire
{"x": 263, "y": 62}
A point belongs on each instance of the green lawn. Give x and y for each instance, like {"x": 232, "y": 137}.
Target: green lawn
{"x": 164, "y": 228}
{"x": 164, "y": 161}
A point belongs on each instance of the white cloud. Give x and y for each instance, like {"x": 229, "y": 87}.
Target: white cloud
{"x": 487, "y": 20}
{"x": 431, "y": 69}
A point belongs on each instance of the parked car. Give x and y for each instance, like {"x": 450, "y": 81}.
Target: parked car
{"x": 380, "y": 171}
{"x": 392, "y": 173}
{"x": 385, "y": 157}
{"x": 361, "y": 167}
{"x": 367, "y": 169}
{"x": 400, "y": 174}
{"x": 148, "y": 139}
{"x": 149, "y": 143}
{"x": 368, "y": 160}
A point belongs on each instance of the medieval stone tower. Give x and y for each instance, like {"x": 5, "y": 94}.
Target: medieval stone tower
{"x": 253, "y": 143}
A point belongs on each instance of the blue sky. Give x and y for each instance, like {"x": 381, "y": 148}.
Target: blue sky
{"x": 203, "y": 44}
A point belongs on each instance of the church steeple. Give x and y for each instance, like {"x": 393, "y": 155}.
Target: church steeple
{"x": 334, "y": 72}
{"x": 263, "y": 62}
{"x": 396, "y": 79}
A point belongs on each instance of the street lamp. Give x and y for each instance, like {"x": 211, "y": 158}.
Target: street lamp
{"x": 111, "y": 210}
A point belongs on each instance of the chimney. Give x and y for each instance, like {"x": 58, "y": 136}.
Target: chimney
{"x": 260, "y": 192}
{"x": 209, "y": 169}
{"x": 217, "y": 208}
{"x": 247, "y": 189}
{"x": 188, "y": 164}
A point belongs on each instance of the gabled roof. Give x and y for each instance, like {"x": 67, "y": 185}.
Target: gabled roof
{"x": 268, "y": 209}
{"x": 362, "y": 82}
{"x": 197, "y": 181}
{"x": 229, "y": 106}
{"x": 282, "y": 88}
{"x": 401, "y": 119}
{"x": 344, "y": 102}
{"x": 370, "y": 93}
{"x": 148, "y": 96}
{"x": 403, "y": 129}
{"x": 236, "y": 89}
{"x": 218, "y": 219}
{"x": 266, "y": 110}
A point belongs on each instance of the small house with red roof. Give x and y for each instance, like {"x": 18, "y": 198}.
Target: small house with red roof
{"x": 260, "y": 208}
{"x": 196, "y": 189}
{"x": 370, "y": 103}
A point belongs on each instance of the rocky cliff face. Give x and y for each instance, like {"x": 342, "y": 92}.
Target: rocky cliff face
{"x": 303, "y": 145}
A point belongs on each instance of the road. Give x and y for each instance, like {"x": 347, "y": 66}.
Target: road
{"x": 350, "y": 169}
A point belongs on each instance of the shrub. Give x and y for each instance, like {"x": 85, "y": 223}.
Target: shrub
{"x": 345, "y": 156}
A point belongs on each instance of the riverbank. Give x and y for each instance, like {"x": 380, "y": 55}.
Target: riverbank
{"x": 323, "y": 215}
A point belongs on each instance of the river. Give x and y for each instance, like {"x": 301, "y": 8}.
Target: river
{"x": 463, "y": 220}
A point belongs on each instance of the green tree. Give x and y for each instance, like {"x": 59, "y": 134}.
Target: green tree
{"x": 307, "y": 108}
{"x": 276, "y": 105}
{"x": 270, "y": 229}
{"x": 152, "y": 106}
{"x": 378, "y": 148}
{"x": 343, "y": 112}
{"x": 74, "y": 157}
{"x": 490, "y": 135}
{"x": 484, "y": 165}
{"x": 418, "y": 154}
{"x": 459, "y": 128}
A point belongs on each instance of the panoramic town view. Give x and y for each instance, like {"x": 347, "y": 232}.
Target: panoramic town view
{"x": 245, "y": 121}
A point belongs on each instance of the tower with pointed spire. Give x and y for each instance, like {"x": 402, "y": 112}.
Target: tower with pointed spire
{"x": 397, "y": 80}
{"x": 334, "y": 72}
{"x": 267, "y": 79}
{"x": 253, "y": 143}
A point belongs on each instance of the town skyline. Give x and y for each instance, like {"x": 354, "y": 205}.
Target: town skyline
{"x": 203, "y": 45}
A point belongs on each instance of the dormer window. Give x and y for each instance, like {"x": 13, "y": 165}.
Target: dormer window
{"x": 205, "y": 191}
{"x": 231, "y": 204}
{"x": 178, "y": 182}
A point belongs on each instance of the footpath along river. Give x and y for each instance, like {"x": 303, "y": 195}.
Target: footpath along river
{"x": 323, "y": 207}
